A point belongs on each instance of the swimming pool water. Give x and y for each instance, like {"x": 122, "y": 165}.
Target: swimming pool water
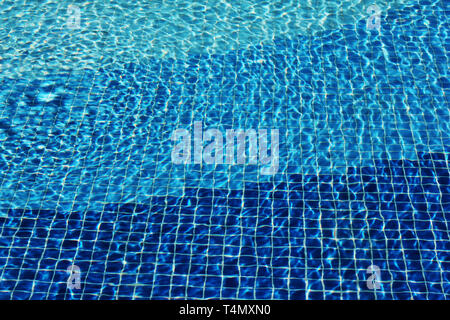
{"x": 86, "y": 171}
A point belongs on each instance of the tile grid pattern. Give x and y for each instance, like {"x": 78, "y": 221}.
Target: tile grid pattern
{"x": 232, "y": 243}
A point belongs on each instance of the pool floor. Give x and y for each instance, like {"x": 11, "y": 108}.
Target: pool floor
{"x": 361, "y": 190}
